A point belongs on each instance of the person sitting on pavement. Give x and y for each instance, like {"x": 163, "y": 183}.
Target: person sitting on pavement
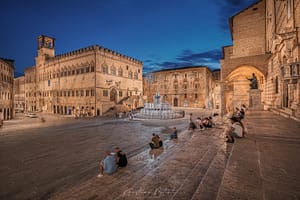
{"x": 154, "y": 144}
{"x": 108, "y": 164}
{"x": 121, "y": 158}
{"x": 207, "y": 122}
{"x": 199, "y": 123}
{"x": 174, "y": 134}
{"x": 236, "y": 130}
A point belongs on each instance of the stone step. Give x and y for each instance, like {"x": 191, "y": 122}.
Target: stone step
{"x": 174, "y": 172}
{"x": 209, "y": 186}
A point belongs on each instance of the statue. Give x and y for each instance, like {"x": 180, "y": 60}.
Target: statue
{"x": 254, "y": 83}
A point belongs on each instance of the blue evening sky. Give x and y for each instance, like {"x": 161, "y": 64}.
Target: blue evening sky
{"x": 161, "y": 33}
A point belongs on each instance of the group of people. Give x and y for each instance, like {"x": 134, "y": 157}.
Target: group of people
{"x": 112, "y": 161}
{"x": 236, "y": 128}
{"x": 202, "y": 123}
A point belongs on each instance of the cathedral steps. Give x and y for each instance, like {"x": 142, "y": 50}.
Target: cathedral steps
{"x": 190, "y": 168}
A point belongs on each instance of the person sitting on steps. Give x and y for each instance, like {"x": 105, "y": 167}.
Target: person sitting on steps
{"x": 236, "y": 130}
{"x": 174, "y": 134}
{"x": 120, "y": 157}
{"x": 108, "y": 164}
{"x": 155, "y": 141}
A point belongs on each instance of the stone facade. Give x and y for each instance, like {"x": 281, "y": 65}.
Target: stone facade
{"x": 184, "y": 87}
{"x": 6, "y": 89}
{"x": 89, "y": 81}
{"x": 283, "y": 42}
{"x": 19, "y": 94}
{"x": 265, "y": 42}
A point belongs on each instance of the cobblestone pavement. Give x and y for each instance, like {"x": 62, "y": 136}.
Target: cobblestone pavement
{"x": 59, "y": 160}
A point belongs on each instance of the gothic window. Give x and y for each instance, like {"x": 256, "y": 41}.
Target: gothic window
{"x": 92, "y": 69}
{"x": 135, "y": 75}
{"x": 130, "y": 74}
{"x": 87, "y": 69}
{"x": 120, "y": 72}
{"x": 104, "y": 68}
{"x": 87, "y": 93}
{"x": 185, "y": 96}
{"x": 113, "y": 70}
{"x": 81, "y": 93}
{"x": 120, "y": 94}
{"x": 92, "y": 93}
{"x": 196, "y": 96}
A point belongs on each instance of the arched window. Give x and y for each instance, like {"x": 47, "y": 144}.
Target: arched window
{"x": 104, "y": 68}
{"x": 130, "y": 74}
{"x": 136, "y": 75}
{"x": 120, "y": 72}
{"x": 113, "y": 70}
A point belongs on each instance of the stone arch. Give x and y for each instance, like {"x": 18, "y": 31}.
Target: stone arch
{"x": 236, "y": 86}
{"x": 113, "y": 95}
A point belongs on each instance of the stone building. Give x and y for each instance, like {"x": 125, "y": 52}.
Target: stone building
{"x": 89, "y": 81}
{"x": 19, "y": 94}
{"x": 265, "y": 42}
{"x": 184, "y": 87}
{"x": 6, "y": 89}
{"x": 283, "y": 43}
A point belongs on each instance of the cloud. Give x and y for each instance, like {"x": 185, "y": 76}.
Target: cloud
{"x": 228, "y": 8}
{"x": 187, "y": 58}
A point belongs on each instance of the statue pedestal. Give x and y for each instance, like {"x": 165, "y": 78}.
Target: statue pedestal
{"x": 255, "y": 99}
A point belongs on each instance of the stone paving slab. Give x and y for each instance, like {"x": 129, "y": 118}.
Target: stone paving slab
{"x": 266, "y": 164}
{"x": 174, "y": 173}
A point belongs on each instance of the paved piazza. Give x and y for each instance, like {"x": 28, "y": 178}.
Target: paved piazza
{"x": 59, "y": 159}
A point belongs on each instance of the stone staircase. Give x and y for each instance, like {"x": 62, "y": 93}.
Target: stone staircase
{"x": 190, "y": 168}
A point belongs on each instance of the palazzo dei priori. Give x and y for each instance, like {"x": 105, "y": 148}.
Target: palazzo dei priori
{"x": 89, "y": 81}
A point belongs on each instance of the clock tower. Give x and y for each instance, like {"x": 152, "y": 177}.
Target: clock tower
{"x": 45, "y": 46}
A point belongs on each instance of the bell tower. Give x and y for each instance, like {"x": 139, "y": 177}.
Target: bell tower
{"x": 45, "y": 46}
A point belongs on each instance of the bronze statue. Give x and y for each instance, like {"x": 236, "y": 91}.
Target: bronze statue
{"x": 254, "y": 83}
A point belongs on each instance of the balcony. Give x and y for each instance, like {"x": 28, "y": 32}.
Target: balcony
{"x": 291, "y": 71}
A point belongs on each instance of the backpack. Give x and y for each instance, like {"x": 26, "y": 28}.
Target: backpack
{"x": 123, "y": 160}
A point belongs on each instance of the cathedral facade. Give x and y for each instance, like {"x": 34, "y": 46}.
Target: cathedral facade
{"x": 266, "y": 43}
{"x": 195, "y": 87}
{"x": 89, "y": 81}
{"x": 6, "y": 89}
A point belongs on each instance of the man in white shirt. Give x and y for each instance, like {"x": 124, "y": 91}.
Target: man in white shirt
{"x": 236, "y": 130}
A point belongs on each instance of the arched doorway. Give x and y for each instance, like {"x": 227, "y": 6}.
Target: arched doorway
{"x": 113, "y": 95}
{"x": 236, "y": 87}
{"x": 175, "y": 102}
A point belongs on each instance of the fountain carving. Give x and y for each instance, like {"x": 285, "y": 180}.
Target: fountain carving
{"x": 158, "y": 110}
